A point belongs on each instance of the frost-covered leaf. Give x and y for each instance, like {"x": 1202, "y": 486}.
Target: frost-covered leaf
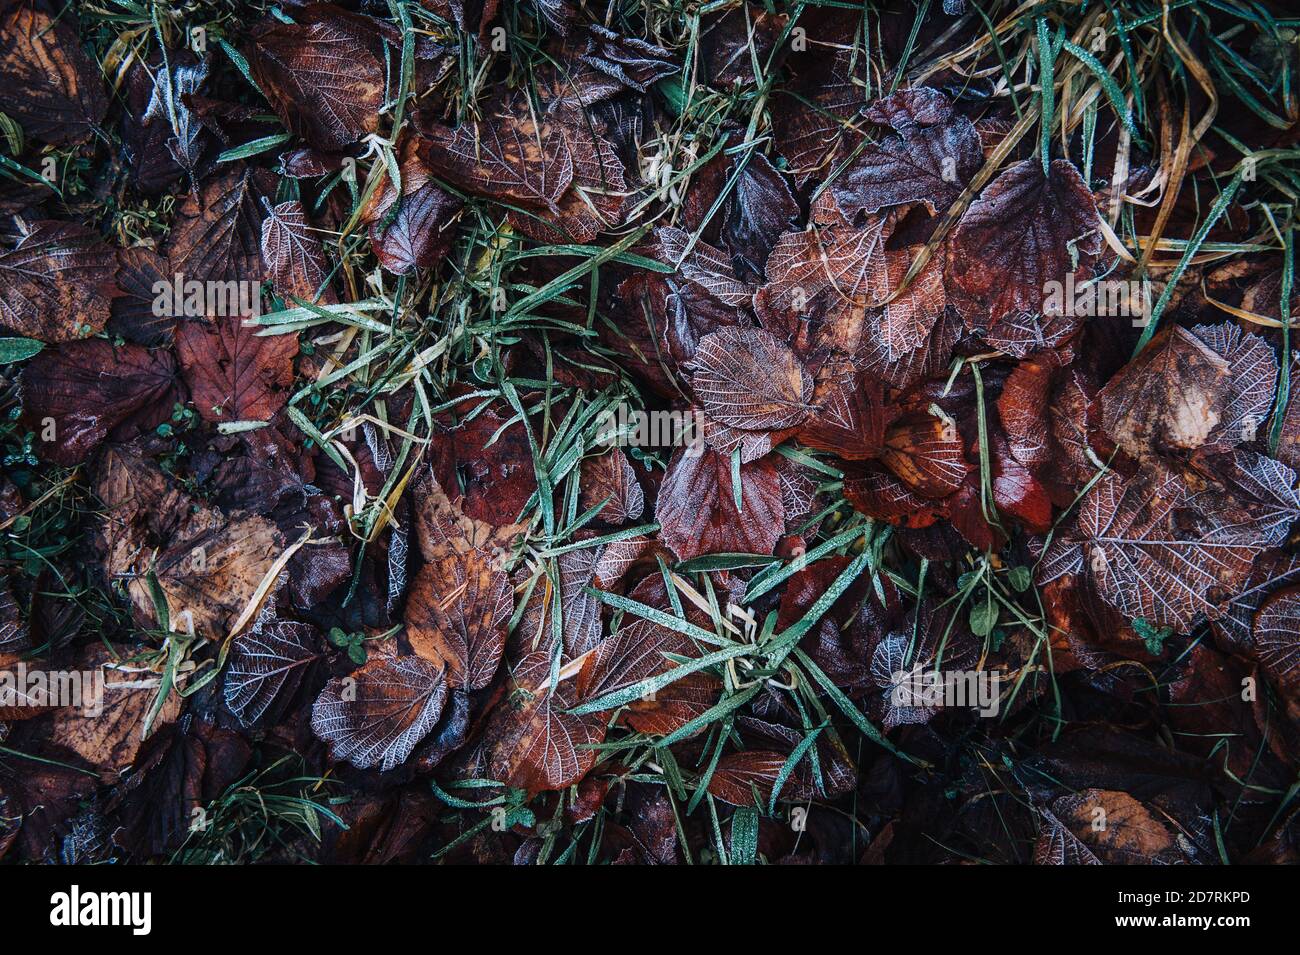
{"x": 745, "y": 378}
{"x": 376, "y": 716}
{"x": 322, "y": 80}
{"x": 931, "y": 157}
{"x": 266, "y": 668}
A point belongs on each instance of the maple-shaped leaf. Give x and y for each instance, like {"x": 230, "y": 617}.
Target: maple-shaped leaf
{"x": 456, "y": 616}
{"x": 1170, "y": 398}
{"x": 609, "y": 482}
{"x": 535, "y": 744}
{"x": 217, "y": 233}
{"x": 697, "y": 510}
{"x": 507, "y": 157}
{"x": 321, "y": 78}
{"x": 932, "y": 155}
{"x": 1160, "y": 546}
{"x": 418, "y": 233}
{"x": 51, "y": 88}
{"x": 235, "y": 374}
{"x": 294, "y": 258}
{"x": 745, "y": 378}
{"x": 849, "y": 415}
{"x": 1025, "y": 230}
{"x": 56, "y": 284}
{"x": 135, "y": 316}
{"x": 1252, "y": 370}
{"x": 926, "y": 453}
{"x": 92, "y": 389}
{"x": 375, "y": 717}
{"x": 266, "y": 668}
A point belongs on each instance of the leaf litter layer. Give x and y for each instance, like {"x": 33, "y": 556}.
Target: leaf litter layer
{"x": 724, "y": 433}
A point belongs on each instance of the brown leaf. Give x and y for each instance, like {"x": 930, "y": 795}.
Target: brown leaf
{"x": 136, "y": 316}
{"x": 849, "y": 420}
{"x": 419, "y": 232}
{"x": 925, "y": 452}
{"x": 932, "y": 156}
{"x": 456, "y": 617}
{"x": 1162, "y": 546}
{"x": 235, "y": 374}
{"x": 535, "y": 744}
{"x": 293, "y": 256}
{"x": 57, "y": 283}
{"x": 1118, "y": 829}
{"x": 51, "y": 87}
{"x": 266, "y": 668}
{"x": 217, "y": 233}
{"x": 507, "y": 157}
{"x": 1170, "y": 398}
{"x": 1277, "y": 640}
{"x": 609, "y": 478}
{"x": 745, "y": 378}
{"x": 1018, "y": 235}
{"x": 321, "y": 79}
{"x": 110, "y": 740}
{"x": 89, "y": 390}
{"x": 697, "y": 509}
{"x": 376, "y": 716}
